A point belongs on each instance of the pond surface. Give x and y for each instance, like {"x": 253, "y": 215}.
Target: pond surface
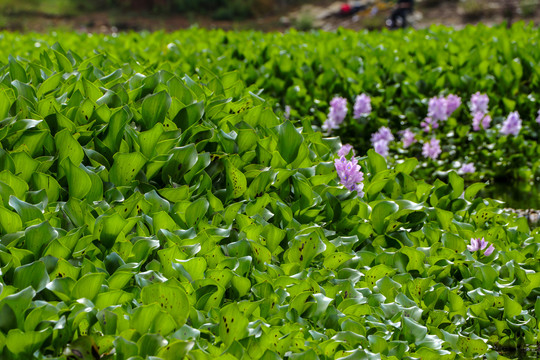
{"x": 527, "y": 355}
{"x": 515, "y": 195}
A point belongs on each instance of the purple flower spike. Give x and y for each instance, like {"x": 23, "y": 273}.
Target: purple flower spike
{"x": 345, "y": 149}
{"x": 287, "y": 112}
{"x": 481, "y": 244}
{"x": 438, "y": 109}
{"x": 483, "y": 120}
{"x": 479, "y": 103}
{"x": 486, "y": 122}
{"x": 512, "y": 124}
{"x": 384, "y": 134}
{"x": 467, "y": 168}
{"x": 452, "y": 103}
{"x": 407, "y": 137}
{"x": 350, "y": 175}
{"x": 489, "y": 250}
{"x": 381, "y": 148}
{"x": 474, "y": 246}
{"x": 428, "y": 124}
{"x": 538, "y": 118}
{"x": 381, "y": 139}
{"x": 338, "y": 109}
{"x": 337, "y": 113}
{"x": 362, "y": 106}
{"x": 432, "y": 149}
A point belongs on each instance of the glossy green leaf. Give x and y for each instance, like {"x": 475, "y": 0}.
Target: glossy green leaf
{"x": 171, "y": 299}
{"x": 154, "y": 109}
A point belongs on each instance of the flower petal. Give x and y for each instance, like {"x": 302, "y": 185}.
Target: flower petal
{"x": 489, "y": 250}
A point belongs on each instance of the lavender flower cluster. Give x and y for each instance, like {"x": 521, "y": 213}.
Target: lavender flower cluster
{"x": 432, "y": 149}
{"x": 408, "y": 138}
{"x": 512, "y": 124}
{"x": 439, "y": 110}
{"x": 381, "y": 139}
{"x": 479, "y": 110}
{"x": 362, "y": 106}
{"x": 349, "y": 172}
{"x": 467, "y": 168}
{"x": 338, "y": 111}
{"x": 481, "y": 244}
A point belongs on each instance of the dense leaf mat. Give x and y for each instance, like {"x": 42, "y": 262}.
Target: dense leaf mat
{"x": 401, "y": 71}
{"x": 144, "y": 212}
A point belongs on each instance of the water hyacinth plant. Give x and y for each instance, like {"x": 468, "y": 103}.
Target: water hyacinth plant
{"x": 467, "y": 168}
{"x": 512, "y": 124}
{"x": 439, "y": 110}
{"x": 362, "y": 106}
{"x": 481, "y": 121}
{"x": 481, "y": 244}
{"x": 432, "y": 149}
{"x": 349, "y": 172}
{"x": 479, "y": 103}
{"x": 381, "y": 139}
{"x": 156, "y": 204}
{"x": 336, "y": 115}
{"x": 453, "y": 102}
{"x": 287, "y": 112}
{"x": 429, "y": 124}
{"x": 408, "y": 138}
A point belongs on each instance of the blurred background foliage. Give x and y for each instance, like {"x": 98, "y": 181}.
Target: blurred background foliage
{"x": 217, "y": 9}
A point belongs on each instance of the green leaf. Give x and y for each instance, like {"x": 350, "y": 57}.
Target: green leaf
{"x": 377, "y": 272}
{"x": 236, "y": 180}
{"x": 19, "y": 342}
{"x": 19, "y": 186}
{"x": 19, "y": 302}
{"x": 472, "y": 190}
{"x": 233, "y": 325}
{"x": 175, "y": 350}
{"x": 376, "y": 162}
{"x": 196, "y": 211}
{"x": 189, "y": 115}
{"x": 38, "y": 236}
{"x": 511, "y": 307}
{"x": 413, "y": 331}
{"x": 379, "y": 214}
{"x": 63, "y": 63}
{"x": 406, "y": 166}
{"x": 34, "y": 275}
{"x": 79, "y": 183}
{"x": 10, "y": 222}
{"x": 88, "y": 286}
{"x": 16, "y": 70}
{"x": 26, "y": 211}
{"x": 154, "y": 109}
{"x": 126, "y": 166}
{"x": 151, "y": 319}
{"x": 172, "y": 299}
{"x": 289, "y": 141}
{"x": 471, "y": 347}
{"x": 50, "y": 84}
{"x": 108, "y": 228}
{"x": 68, "y": 147}
{"x": 125, "y": 349}
{"x": 48, "y": 183}
{"x": 457, "y": 183}
{"x": 148, "y": 140}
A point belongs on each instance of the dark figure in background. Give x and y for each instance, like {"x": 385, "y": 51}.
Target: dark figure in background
{"x": 509, "y": 11}
{"x": 399, "y": 15}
